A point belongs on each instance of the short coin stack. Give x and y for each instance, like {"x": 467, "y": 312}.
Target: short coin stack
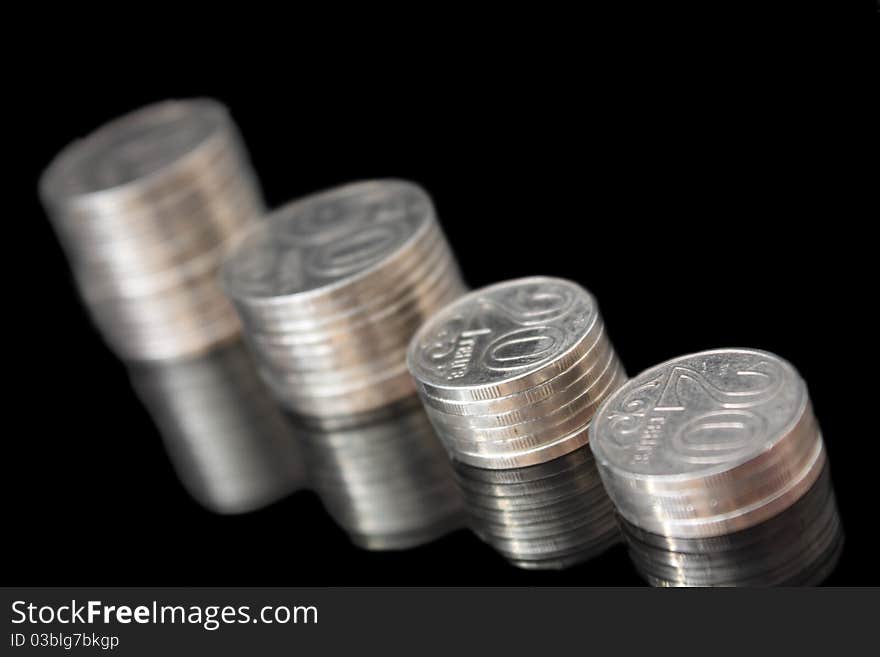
{"x": 231, "y": 445}
{"x": 331, "y": 288}
{"x": 387, "y": 482}
{"x": 143, "y": 207}
{"x": 510, "y": 376}
{"x": 717, "y": 468}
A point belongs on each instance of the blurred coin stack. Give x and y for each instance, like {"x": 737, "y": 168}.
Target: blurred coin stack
{"x": 330, "y": 290}
{"x": 231, "y": 445}
{"x": 143, "y": 207}
{"x": 387, "y": 483}
{"x": 510, "y": 376}
{"x": 717, "y": 468}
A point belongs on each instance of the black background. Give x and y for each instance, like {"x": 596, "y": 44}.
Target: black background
{"x": 707, "y": 201}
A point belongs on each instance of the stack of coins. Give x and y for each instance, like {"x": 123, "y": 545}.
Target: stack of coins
{"x": 717, "y": 468}
{"x": 510, "y": 376}
{"x": 229, "y": 442}
{"x": 143, "y": 207}
{"x": 387, "y": 483}
{"x": 331, "y": 288}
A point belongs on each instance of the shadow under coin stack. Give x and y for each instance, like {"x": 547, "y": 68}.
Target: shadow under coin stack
{"x": 144, "y": 207}
{"x": 330, "y": 290}
{"x": 510, "y": 376}
{"x": 717, "y": 468}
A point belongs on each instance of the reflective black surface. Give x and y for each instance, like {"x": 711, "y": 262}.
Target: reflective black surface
{"x": 648, "y": 190}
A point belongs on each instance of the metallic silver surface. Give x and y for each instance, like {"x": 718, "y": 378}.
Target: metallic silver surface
{"x": 331, "y": 289}
{"x": 503, "y": 339}
{"x": 229, "y": 442}
{"x": 709, "y": 443}
{"x": 386, "y": 481}
{"x": 143, "y": 208}
{"x": 328, "y": 241}
{"x": 512, "y": 374}
{"x": 716, "y": 465}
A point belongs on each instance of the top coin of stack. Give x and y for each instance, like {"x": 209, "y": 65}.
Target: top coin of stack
{"x": 708, "y": 444}
{"x": 143, "y": 206}
{"x": 511, "y": 374}
{"x": 331, "y": 288}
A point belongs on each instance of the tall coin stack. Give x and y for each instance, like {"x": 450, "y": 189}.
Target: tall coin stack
{"x": 510, "y": 376}
{"x": 387, "y": 483}
{"x": 143, "y": 207}
{"x": 330, "y": 290}
{"x": 717, "y": 468}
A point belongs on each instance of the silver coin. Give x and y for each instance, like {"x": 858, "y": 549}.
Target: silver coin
{"x": 331, "y": 288}
{"x": 691, "y": 516}
{"x": 316, "y": 316}
{"x": 327, "y": 239}
{"x": 360, "y": 296}
{"x": 228, "y": 211}
{"x": 143, "y": 207}
{"x": 197, "y": 184}
{"x": 719, "y": 409}
{"x": 675, "y": 443}
{"x": 512, "y": 374}
{"x": 379, "y": 344}
{"x": 502, "y": 339}
{"x": 528, "y": 451}
{"x": 387, "y": 328}
{"x": 576, "y": 407}
{"x": 134, "y": 149}
{"x": 562, "y": 386}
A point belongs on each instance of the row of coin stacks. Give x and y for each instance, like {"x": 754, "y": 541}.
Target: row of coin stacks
{"x": 333, "y": 341}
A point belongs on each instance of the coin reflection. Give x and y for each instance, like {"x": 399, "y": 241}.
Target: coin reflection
{"x": 230, "y": 444}
{"x": 385, "y": 478}
{"x": 798, "y": 547}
